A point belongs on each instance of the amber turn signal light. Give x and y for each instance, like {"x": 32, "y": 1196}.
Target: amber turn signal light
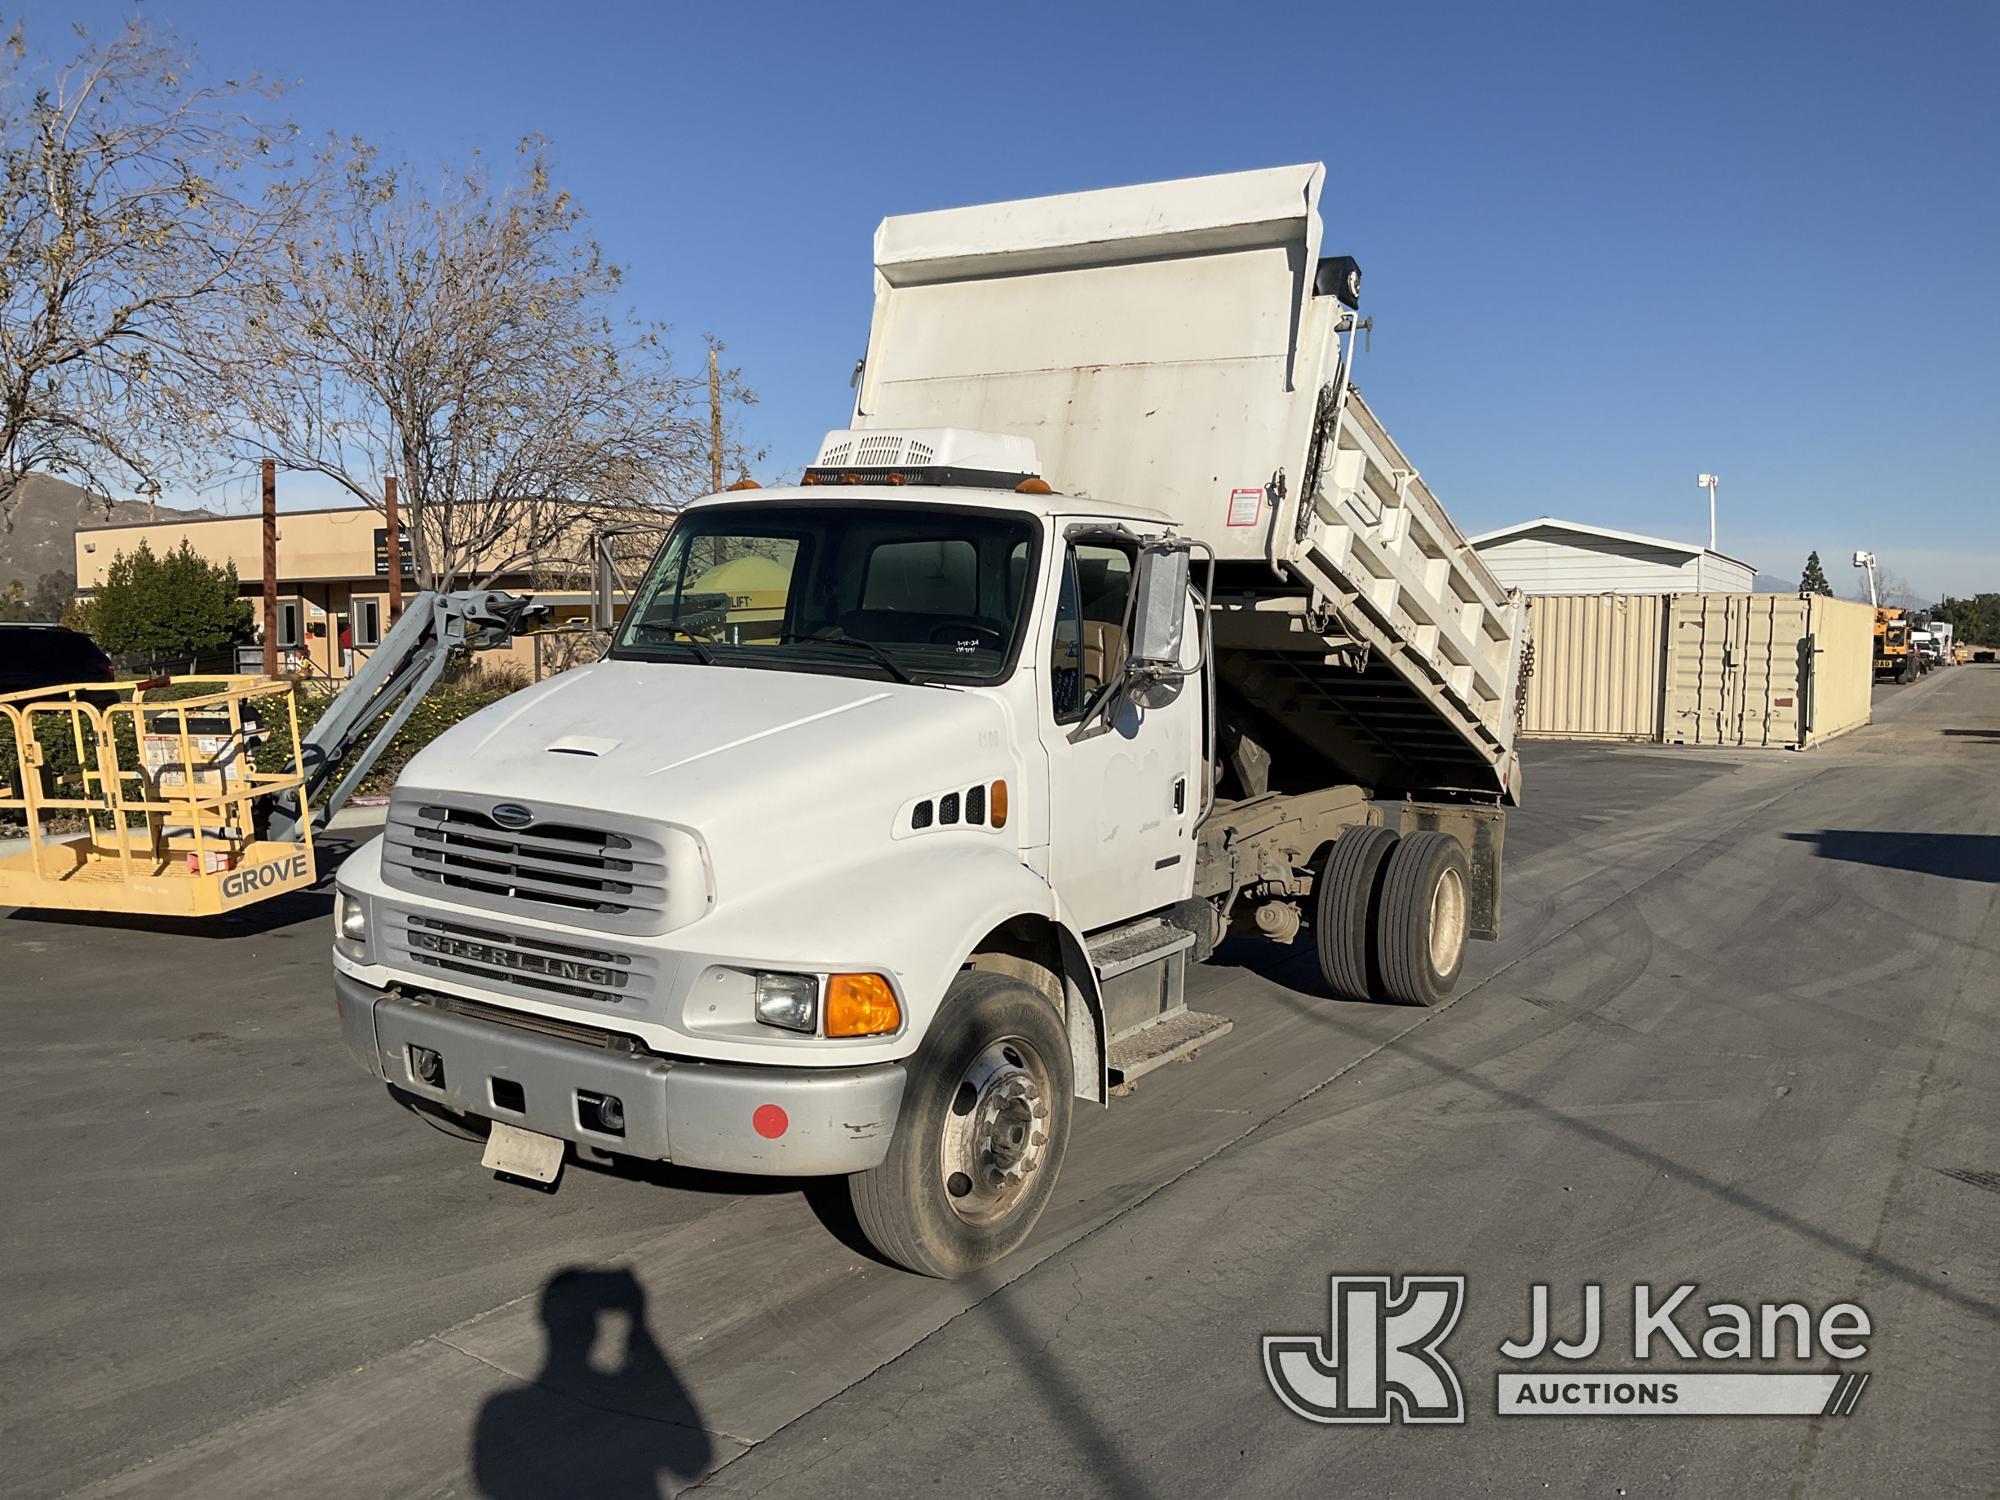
{"x": 996, "y": 804}
{"x": 860, "y": 1005}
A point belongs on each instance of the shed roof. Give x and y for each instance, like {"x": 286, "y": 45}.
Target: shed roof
{"x": 1553, "y": 523}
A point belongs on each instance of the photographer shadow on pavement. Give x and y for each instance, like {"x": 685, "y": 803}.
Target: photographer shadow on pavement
{"x": 605, "y": 1416}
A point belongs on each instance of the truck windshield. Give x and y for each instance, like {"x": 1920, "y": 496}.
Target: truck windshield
{"x": 909, "y": 592}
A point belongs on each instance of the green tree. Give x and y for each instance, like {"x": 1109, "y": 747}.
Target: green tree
{"x": 14, "y": 605}
{"x": 162, "y": 611}
{"x": 1974, "y": 621}
{"x": 1814, "y": 579}
{"x": 52, "y": 594}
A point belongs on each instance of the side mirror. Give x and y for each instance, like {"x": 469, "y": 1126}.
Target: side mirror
{"x": 1159, "y": 610}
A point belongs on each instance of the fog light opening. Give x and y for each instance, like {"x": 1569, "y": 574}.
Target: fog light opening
{"x": 604, "y": 1113}
{"x": 427, "y": 1066}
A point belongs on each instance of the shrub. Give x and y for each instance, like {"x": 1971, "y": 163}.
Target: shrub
{"x": 162, "y": 610}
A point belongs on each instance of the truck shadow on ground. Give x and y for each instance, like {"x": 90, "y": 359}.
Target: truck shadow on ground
{"x": 1954, "y": 856}
{"x": 604, "y": 1416}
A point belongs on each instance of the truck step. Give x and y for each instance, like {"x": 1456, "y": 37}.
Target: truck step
{"x": 1119, "y": 950}
{"x": 1165, "y": 1041}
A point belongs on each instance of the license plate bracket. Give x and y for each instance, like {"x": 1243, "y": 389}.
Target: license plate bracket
{"x": 526, "y": 1154}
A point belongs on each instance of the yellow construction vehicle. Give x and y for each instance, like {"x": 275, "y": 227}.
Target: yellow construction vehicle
{"x": 137, "y": 800}
{"x": 1896, "y": 659}
{"x": 167, "y": 794}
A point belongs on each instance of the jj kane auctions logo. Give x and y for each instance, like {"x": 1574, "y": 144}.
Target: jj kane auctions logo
{"x": 1382, "y": 1359}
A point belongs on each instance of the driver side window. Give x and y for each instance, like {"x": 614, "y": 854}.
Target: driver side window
{"x": 1090, "y": 640}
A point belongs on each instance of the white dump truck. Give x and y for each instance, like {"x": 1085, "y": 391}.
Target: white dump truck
{"x": 1114, "y": 623}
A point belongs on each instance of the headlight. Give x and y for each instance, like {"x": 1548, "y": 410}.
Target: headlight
{"x": 788, "y": 1000}
{"x": 350, "y": 924}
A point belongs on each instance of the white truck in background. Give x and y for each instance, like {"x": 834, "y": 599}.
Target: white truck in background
{"x": 903, "y": 797}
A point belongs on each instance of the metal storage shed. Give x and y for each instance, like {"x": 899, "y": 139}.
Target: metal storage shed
{"x": 1550, "y": 556}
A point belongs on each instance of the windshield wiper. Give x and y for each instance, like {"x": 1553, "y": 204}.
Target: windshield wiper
{"x": 895, "y": 667}
{"x": 701, "y": 652}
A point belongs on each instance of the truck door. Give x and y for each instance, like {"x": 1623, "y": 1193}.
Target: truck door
{"x": 1123, "y": 787}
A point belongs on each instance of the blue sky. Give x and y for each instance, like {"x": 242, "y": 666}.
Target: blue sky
{"x": 1606, "y": 245}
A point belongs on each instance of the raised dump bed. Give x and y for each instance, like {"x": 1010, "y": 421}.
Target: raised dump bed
{"x": 1185, "y": 346}
{"x": 167, "y": 795}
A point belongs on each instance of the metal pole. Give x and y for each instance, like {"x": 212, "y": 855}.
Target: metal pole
{"x": 395, "y": 539}
{"x": 714, "y": 423}
{"x": 1711, "y": 512}
{"x": 270, "y": 567}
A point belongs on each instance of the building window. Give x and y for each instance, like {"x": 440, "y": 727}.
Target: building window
{"x": 288, "y": 625}
{"x": 367, "y": 622}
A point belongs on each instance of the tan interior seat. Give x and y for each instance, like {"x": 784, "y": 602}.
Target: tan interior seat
{"x": 1103, "y": 654}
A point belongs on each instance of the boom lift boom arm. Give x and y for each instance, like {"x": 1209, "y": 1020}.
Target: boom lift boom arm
{"x": 389, "y": 686}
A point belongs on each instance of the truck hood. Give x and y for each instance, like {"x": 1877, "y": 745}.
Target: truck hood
{"x": 756, "y": 762}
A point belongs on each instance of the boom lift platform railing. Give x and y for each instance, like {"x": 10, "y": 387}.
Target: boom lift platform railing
{"x": 170, "y": 832}
{"x": 178, "y": 819}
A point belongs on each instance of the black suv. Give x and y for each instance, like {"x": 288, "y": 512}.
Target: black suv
{"x": 39, "y": 656}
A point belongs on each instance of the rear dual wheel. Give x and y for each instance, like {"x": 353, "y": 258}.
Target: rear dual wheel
{"x": 1392, "y": 915}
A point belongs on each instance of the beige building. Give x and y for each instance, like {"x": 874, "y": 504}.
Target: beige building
{"x": 333, "y": 579}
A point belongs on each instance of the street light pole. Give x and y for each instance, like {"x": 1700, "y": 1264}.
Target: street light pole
{"x": 1709, "y": 482}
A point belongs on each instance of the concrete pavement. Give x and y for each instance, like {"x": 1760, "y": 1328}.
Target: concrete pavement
{"x": 1739, "y": 1032}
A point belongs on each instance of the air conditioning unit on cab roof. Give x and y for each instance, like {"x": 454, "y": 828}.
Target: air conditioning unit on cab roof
{"x": 924, "y": 455}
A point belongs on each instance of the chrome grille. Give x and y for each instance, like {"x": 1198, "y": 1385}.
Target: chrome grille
{"x": 519, "y": 961}
{"x": 558, "y": 868}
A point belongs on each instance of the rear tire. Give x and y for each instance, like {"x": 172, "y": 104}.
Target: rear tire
{"x": 1423, "y": 919}
{"x": 980, "y": 1136}
{"x": 1344, "y": 903}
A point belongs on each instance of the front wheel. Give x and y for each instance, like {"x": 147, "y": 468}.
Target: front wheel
{"x": 981, "y": 1134}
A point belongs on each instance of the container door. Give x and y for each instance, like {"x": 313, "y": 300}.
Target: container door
{"x": 1734, "y": 669}
{"x": 1124, "y": 788}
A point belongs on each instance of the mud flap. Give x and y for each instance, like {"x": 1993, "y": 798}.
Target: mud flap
{"x": 1481, "y": 829}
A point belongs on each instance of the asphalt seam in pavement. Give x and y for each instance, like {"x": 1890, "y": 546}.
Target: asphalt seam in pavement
{"x": 556, "y": 1390}
{"x": 1231, "y": 1144}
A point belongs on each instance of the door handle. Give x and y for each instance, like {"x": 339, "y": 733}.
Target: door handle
{"x": 1180, "y": 794}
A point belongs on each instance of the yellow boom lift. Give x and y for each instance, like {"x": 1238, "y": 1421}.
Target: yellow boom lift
{"x": 178, "y": 821}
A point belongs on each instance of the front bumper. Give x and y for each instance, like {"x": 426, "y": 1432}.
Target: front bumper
{"x": 725, "y": 1117}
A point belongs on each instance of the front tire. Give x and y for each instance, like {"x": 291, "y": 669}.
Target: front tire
{"x": 1424, "y": 918}
{"x": 980, "y": 1136}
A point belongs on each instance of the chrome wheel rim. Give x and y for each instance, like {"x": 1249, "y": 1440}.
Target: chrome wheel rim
{"x": 1447, "y": 921}
{"x": 996, "y": 1132}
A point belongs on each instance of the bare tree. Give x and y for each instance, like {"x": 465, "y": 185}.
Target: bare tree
{"x": 136, "y": 209}
{"x": 1896, "y": 590}
{"x": 465, "y": 340}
